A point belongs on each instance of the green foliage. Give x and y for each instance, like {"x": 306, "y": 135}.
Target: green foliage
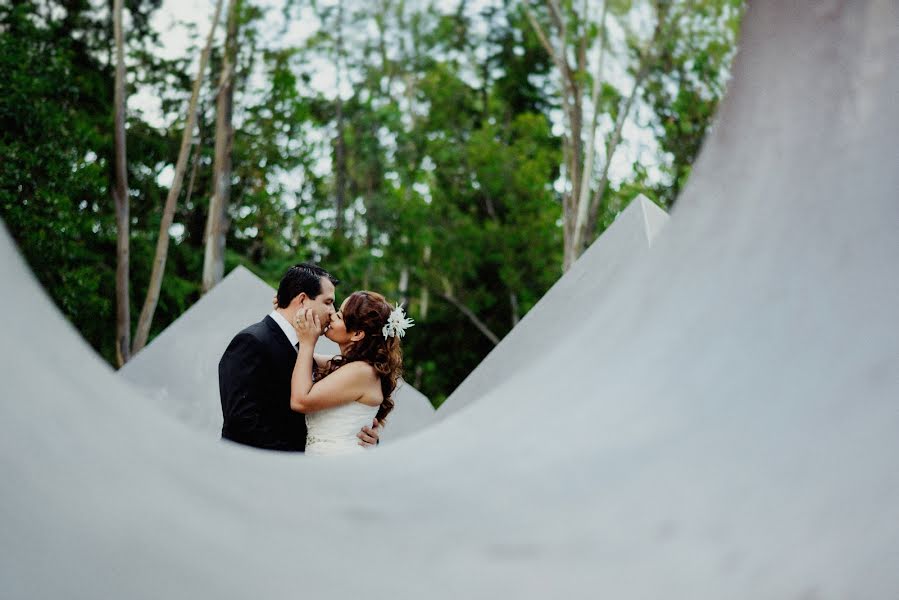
{"x": 450, "y": 158}
{"x": 50, "y": 186}
{"x": 55, "y": 157}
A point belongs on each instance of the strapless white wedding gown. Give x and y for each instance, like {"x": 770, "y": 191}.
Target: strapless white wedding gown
{"x": 333, "y": 430}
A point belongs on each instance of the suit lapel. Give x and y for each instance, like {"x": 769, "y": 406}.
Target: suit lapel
{"x": 285, "y": 351}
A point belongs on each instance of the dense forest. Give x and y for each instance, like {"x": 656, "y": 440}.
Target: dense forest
{"x": 457, "y": 157}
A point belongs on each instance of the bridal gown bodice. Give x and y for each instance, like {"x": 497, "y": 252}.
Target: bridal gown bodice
{"x": 333, "y": 430}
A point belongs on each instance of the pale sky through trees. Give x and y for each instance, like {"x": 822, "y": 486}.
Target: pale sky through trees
{"x": 175, "y": 17}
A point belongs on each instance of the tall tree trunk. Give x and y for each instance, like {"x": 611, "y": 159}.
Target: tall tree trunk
{"x": 120, "y": 197}
{"x": 217, "y": 219}
{"x": 168, "y": 214}
{"x": 580, "y": 199}
{"x": 660, "y": 35}
{"x": 340, "y": 140}
{"x": 423, "y": 304}
{"x": 425, "y": 296}
{"x": 572, "y": 108}
{"x": 404, "y": 286}
{"x": 647, "y": 58}
{"x": 340, "y": 169}
{"x": 583, "y": 200}
{"x": 571, "y": 96}
{"x": 588, "y": 227}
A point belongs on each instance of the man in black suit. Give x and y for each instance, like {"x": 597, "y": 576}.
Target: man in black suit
{"x": 255, "y": 371}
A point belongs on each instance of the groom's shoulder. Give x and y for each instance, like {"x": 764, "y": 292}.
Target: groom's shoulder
{"x": 261, "y": 331}
{"x": 250, "y": 340}
{"x": 252, "y": 336}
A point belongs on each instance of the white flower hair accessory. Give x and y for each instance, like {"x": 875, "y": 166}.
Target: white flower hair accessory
{"x": 397, "y": 323}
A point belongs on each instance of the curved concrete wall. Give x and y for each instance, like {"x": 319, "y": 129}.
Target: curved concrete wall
{"x": 724, "y": 425}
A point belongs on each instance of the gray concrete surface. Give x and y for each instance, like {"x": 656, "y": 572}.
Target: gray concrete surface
{"x": 573, "y": 298}
{"x": 724, "y": 425}
{"x": 178, "y": 370}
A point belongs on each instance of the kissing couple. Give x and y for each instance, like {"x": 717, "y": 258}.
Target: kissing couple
{"x": 278, "y": 394}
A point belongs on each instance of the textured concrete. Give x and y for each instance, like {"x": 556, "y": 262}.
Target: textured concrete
{"x": 178, "y": 370}
{"x": 573, "y": 298}
{"x": 724, "y": 424}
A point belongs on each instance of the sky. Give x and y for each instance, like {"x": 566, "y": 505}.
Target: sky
{"x": 174, "y": 18}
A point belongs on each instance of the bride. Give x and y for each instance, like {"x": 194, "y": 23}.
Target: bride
{"x": 355, "y": 386}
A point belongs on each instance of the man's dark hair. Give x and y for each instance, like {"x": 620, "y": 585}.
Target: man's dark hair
{"x": 302, "y": 278}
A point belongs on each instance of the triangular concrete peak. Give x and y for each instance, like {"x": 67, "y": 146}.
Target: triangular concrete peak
{"x": 178, "y": 370}
{"x": 626, "y": 240}
{"x": 654, "y": 217}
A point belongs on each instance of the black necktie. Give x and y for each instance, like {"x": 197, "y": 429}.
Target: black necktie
{"x": 297, "y": 346}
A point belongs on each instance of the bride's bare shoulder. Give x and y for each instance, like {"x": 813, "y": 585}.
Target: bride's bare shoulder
{"x": 368, "y": 381}
{"x": 361, "y": 369}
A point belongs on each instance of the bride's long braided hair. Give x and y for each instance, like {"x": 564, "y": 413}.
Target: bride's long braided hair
{"x": 368, "y": 312}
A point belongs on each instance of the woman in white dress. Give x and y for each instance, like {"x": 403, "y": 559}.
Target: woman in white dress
{"x": 352, "y": 388}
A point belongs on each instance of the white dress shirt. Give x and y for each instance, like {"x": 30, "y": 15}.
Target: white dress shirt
{"x": 286, "y": 327}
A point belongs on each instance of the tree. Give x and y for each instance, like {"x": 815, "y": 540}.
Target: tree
{"x": 162, "y": 245}
{"x": 217, "y": 218}
{"x": 567, "y": 32}
{"x": 444, "y": 148}
{"x": 57, "y": 152}
{"x": 120, "y": 198}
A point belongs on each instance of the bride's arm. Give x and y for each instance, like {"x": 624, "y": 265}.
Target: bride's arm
{"x": 340, "y": 387}
{"x": 347, "y": 384}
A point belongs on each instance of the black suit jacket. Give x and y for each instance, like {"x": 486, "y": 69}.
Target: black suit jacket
{"x": 254, "y": 384}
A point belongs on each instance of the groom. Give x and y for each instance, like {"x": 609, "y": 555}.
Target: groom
{"x": 255, "y": 371}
